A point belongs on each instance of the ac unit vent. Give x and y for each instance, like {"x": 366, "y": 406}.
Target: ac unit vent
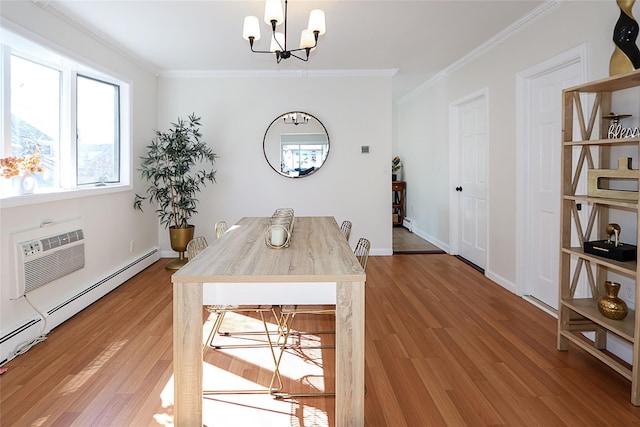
{"x": 42, "y": 260}
{"x": 40, "y": 271}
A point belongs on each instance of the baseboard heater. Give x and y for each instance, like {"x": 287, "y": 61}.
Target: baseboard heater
{"x": 101, "y": 282}
{"x": 72, "y": 308}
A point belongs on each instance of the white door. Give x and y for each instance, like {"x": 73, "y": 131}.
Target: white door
{"x": 542, "y": 187}
{"x": 472, "y": 184}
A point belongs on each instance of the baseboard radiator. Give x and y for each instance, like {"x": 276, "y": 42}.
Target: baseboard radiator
{"x": 43, "y": 257}
{"x": 59, "y": 312}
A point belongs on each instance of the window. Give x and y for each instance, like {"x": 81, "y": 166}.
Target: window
{"x": 98, "y": 132}
{"x": 35, "y": 115}
{"x": 71, "y": 113}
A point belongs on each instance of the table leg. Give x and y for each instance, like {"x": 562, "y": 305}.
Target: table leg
{"x": 187, "y": 354}
{"x": 350, "y": 354}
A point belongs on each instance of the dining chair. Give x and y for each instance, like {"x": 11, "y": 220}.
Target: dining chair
{"x": 220, "y": 228}
{"x": 194, "y": 247}
{"x": 346, "y": 229}
{"x": 221, "y": 310}
{"x": 287, "y": 317}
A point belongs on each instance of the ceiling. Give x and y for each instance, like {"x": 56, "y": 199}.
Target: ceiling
{"x": 417, "y": 38}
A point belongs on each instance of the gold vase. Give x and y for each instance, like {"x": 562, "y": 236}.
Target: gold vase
{"x": 610, "y": 305}
{"x": 179, "y": 238}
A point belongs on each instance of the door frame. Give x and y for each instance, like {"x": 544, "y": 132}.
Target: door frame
{"x": 454, "y": 170}
{"x": 523, "y": 152}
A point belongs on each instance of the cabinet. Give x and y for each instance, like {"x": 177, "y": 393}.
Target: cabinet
{"x": 587, "y": 216}
{"x": 397, "y": 210}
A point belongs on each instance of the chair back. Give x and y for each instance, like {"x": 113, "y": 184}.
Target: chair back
{"x": 195, "y": 246}
{"x": 220, "y": 228}
{"x": 346, "y": 229}
{"x": 362, "y": 252}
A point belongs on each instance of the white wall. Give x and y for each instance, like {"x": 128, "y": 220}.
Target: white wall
{"x": 235, "y": 114}
{"x": 423, "y": 126}
{"x": 110, "y": 222}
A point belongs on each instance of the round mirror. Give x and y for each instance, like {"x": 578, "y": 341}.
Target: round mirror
{"x": 296, "y": 144}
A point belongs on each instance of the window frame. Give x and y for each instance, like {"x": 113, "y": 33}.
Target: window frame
{"x": 117, "y": 130}
{"x": 35, "y": 49}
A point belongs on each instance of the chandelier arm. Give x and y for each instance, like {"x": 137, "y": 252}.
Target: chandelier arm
{"x": 260, "y": 51}
{"x": 302, "y": 48}
{"x": 308, "y": 49}
{"x": 283, "y": 48}
{"x": 251, "y": 39}
{"x": 299, "y": 57}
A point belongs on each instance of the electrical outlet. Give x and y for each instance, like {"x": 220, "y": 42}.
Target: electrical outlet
{"x": 627, "y": 293}
{"x": 131, "y": 246}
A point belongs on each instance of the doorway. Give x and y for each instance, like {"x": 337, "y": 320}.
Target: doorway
{"x": 539, "y": 100}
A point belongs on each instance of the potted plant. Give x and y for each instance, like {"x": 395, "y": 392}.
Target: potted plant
{"x": 170, "y": 168}
{"x": 396, "y": 165}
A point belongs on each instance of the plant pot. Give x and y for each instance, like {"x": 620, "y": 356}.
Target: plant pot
{"x": 179, "y": 238}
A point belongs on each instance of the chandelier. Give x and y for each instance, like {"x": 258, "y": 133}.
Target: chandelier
{"x": 273, "y": 16}
{"x": 296, "y": 119}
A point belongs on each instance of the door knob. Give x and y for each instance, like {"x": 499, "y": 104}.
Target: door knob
{"x": 458, "y": 188}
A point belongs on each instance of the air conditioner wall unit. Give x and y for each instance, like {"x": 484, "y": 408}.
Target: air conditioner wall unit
{"x": 47, "y": 254}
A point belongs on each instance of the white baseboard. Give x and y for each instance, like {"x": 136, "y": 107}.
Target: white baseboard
{"x": 510, "y": 286}
{"x": 15, "y": 337}
{"x": 432, "y": 239}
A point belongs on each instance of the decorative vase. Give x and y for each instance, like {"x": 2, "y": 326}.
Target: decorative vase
{"x": 626, "y": 55}
{"x": 180, "y": 238}
{"x": 611, "y": 306}
{"x": 25, "y": 183}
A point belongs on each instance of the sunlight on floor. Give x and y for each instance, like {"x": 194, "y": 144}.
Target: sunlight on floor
{"x": 41, "y": 421}
{"x": 301, "y": 366}
{"x": 76, "y": 381}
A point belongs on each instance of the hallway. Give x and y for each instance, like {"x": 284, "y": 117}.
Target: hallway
{"x": 406, "y": 242}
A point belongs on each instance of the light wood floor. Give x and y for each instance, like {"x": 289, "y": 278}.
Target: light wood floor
{"x": 444, "y": 347}
{"x": 405, "y": 241}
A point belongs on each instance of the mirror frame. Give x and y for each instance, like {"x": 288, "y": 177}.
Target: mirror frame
{"x": 281, "y": 117}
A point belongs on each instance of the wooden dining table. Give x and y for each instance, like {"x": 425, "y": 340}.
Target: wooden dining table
{"x": 318, "y": 267}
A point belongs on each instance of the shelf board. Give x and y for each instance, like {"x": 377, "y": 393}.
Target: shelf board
{"x": 632, "y": 204}
{"x": 599, "y": 354}
{"x": 588, "y": 307}
{"x": 609, "y": 84}
{"x": 611, "y": 141}
{"x": 627, "y": 267}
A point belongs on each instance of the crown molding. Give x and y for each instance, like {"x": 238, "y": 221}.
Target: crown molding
{"x": 537, "y": 13}
{"x": 64, "y": 16}
{"x": 277, "y": 73}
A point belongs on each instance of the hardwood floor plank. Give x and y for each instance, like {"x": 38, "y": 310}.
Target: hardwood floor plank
{"x": 444, "y": 346}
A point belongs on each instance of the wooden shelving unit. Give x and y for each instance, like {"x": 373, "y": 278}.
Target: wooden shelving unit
{"x": 398, "y": 189}
{"x": 579, "y": 315}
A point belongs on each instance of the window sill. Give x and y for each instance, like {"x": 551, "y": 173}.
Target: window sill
{"x": 12, "y": 201}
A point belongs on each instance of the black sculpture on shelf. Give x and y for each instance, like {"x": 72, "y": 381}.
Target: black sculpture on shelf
{"x": 626, "y": 55}
{"x": 612, "y": 248}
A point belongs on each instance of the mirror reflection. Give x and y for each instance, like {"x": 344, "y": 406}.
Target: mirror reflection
{"x": 296, "y": 144}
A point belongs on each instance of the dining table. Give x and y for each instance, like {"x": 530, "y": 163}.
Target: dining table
{"x": 317, "y": 267}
